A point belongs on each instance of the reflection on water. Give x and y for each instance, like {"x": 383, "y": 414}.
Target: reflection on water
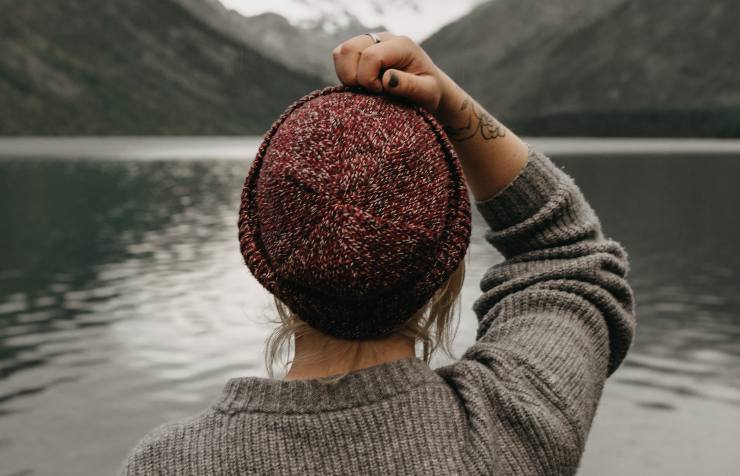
{"x": 124, "y": 303}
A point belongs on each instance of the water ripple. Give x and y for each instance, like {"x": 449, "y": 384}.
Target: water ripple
{"x": 124, "y": 301}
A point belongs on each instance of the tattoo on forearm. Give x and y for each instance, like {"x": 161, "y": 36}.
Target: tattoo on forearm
{"x": 488, "y": 127}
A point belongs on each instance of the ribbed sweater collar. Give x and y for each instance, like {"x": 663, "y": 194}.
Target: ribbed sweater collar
{"x": 359, "y": 387}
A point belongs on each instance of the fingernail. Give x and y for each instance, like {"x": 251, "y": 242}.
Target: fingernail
{"x": 393, "y": 82}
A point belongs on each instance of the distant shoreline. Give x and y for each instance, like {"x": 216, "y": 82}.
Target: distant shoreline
{"x": 244, "y": 148}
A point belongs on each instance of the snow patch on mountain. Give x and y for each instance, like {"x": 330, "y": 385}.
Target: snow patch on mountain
{"x": 415, "y": 18}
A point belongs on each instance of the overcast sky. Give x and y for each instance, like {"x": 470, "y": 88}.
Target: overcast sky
{"x": 415, "y": 18}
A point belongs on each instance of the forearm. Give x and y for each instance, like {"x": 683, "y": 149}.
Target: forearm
{"x": 491, "y": 155}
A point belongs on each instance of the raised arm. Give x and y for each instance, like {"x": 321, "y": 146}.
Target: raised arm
{"x": 556, "y": 317}
{"x": 490, "y": 154}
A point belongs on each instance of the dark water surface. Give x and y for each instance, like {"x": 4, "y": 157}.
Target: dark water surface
{"x": 124, "y": 303}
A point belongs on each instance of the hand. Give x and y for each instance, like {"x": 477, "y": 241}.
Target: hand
{"x": 397, "y": 65}
{"x": 491, "y": 155}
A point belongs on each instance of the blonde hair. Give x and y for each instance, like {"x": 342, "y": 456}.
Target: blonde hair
{"x": 430, "y": 325}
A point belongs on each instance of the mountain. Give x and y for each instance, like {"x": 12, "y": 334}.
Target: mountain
{"x": 415, "y": 18}
{"x": 600, "y": 67}
{"x": 127, "y": 67}
{"x": 306, "y": 49}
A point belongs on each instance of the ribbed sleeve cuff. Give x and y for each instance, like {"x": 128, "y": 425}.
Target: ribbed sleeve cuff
{"x": 525, "y": 195}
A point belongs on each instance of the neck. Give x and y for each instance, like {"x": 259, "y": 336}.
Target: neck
{"x": 320, "y": 355}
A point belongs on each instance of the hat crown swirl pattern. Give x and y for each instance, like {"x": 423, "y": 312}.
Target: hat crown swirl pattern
{"x": 354, "y": 211}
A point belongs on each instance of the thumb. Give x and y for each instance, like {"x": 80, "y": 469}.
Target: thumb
{"x": 422, "y": 89}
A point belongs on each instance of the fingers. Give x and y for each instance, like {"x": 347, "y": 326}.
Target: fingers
{"x": 422, "y": 89}
{"x": 375, "y": 59}
{"x": 346, "y": 56}
{"x": 381, "y": 67}
{"x": 360, "y": 62}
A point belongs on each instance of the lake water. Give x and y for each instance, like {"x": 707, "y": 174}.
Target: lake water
{"x": 124, "y": 300}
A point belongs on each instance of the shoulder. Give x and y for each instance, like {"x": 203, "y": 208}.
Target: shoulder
{"x": 163, "y": 446}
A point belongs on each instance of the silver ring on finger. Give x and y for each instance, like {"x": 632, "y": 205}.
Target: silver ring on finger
{"x": 374, "y": 36}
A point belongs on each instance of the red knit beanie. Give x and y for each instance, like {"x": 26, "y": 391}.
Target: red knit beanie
{"x": 354, "y": 211}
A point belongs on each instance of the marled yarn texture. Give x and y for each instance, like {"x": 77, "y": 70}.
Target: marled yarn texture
{"x": 354, "y": 211}
{"x": 555, "y": 319}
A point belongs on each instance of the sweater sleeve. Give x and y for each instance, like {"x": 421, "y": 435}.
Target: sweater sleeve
{"x": 555, "y": 319}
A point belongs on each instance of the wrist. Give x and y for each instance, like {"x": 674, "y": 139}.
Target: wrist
{"x": 448, "y": 111}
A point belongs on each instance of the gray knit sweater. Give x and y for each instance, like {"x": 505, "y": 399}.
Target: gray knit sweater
{"x": 555, "y": 319}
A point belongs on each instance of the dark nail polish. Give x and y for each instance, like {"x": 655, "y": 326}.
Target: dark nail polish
{"x": 393, "y": 82}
